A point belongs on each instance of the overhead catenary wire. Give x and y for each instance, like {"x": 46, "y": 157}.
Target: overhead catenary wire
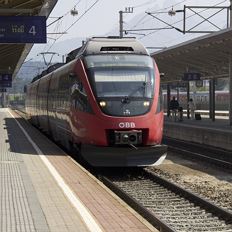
{"x": 59, "y": 24}
{"x": 144, "y": 4}
{"x": 180, "y": 20}
{"x": 58, "y": 21}
{"x": 165, "y": 8}
{"x": 158, "y": 12}
{"x": 146, "y": 16}
{"x": 86, "y": 11}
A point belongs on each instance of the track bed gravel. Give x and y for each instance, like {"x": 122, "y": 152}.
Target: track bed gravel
{"x": 205, "y": 180}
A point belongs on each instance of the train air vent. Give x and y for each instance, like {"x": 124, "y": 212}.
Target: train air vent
{"x": 117, "y": 49}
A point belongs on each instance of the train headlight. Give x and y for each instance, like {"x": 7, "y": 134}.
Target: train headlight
{"x": 102, "y": 103}
{"x": 125, "y": 138}
{"x": 146, "y": 103}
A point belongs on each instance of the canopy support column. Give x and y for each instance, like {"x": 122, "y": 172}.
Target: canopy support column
{"x": 212, "y": 99}
{"x": 168, "y": 100}
{"x": 188, "y": 97}
{"x": 230, "y": 89}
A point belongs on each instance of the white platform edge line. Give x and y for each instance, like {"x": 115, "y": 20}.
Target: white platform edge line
{"x": 86, "y": 216}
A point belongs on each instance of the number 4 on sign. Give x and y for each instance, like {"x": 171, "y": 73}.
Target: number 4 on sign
{"x": 32, "y": 30}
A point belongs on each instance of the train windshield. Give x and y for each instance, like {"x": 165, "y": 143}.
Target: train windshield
{"x": 130, "y": 76}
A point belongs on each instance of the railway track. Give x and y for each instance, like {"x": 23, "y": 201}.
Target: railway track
{"x": 167, "y": 206}
{"x": 219, "y": 157}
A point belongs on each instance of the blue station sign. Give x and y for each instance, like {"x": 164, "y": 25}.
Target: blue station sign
{"x": 23, "y": 29}
{"x": 5, "y": 77}
{"x": 191, "y": 76}
{"x": 5, "y": 80}
{"x": 6, "y": 85}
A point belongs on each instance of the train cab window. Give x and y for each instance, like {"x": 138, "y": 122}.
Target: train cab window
{"x": 125, "y": 82}
{"x": 121, "y": 75}
{"x": 160, "y": 102}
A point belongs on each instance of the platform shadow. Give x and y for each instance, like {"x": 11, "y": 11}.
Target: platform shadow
{"x": 19, "y": 143}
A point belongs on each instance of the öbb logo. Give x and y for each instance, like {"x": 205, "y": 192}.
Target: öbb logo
{"x": 126, "y": 125}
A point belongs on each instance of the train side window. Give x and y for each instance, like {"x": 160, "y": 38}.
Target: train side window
{"x": 79, "y": 97}
{"x": 160, "y": 102}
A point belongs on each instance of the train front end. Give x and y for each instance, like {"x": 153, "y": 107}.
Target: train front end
{"x": 125, "y": 127}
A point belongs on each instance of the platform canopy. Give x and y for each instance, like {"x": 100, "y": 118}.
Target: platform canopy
{"x": 207, "y": 55}
{"x": 13, "y": 55}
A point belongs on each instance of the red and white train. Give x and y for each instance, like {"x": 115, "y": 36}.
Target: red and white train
{"x": 106, "y": 102}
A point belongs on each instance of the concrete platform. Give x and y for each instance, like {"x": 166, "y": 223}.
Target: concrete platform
{"x": 204, "y": 131}
{"x": 43, "y": 189}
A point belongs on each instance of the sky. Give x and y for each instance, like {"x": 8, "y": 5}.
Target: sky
{"x": 101, "y": 18}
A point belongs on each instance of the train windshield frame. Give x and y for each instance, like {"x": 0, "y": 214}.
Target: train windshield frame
{"x": 121, "y": 75}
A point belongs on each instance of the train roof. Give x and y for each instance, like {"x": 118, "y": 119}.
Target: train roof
{"x": 99, "y": 45}
{"x": 47, "y": 71}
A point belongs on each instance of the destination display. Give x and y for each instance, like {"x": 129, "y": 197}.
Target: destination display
{"x": 23, "y": 29}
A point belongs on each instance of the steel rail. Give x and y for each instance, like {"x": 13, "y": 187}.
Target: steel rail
{"x": 154, "y": 219}
{"x": 150, "y": 217}
{"x": 204, "y": 153}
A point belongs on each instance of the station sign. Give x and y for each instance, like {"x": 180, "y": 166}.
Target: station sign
{"x": 23, "y": 29}
{"x": 5, "y": 84}
{"x": 5, "y": 77}
{"x": 191, "y": 76}
{"x": 5, "y": 80}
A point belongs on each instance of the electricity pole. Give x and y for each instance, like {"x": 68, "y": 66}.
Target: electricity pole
{"x": 127, "y": 10}
{"x": 47, "y": 63}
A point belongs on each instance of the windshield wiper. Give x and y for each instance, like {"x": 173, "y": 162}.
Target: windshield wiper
{"x": 126, "y": 99}
{"x": 138, "y": 90}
